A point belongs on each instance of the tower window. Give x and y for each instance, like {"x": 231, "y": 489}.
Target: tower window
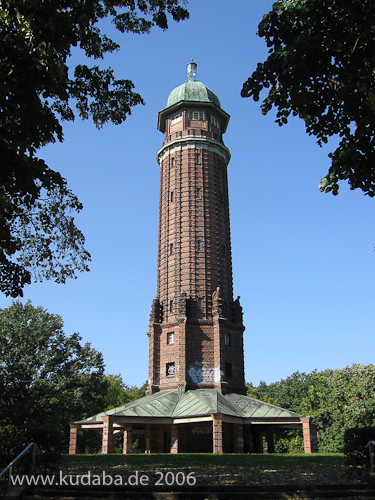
{"x": 228, "y": 370}
{"x": 172, "y": 162}
{"x": 198, "y": 158}
{"x": 215, "y": 122}
{"x": 171, "y": 249}
{"x": 170, "y": 338}
{"x": 226, "y": 339}
{"x": 172, "y": 196}
{"x": 199, "y": 246}
{"x": 176, "y": 118}
{"x": 170, "y": 369}
{"x": 171, "y": 306}
{"x": 196, "y": 115}
{"x": 198, "y": 194}
{"x": 200, "y": 304}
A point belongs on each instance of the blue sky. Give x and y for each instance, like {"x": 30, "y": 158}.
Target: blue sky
{"x": 303, "y": 261}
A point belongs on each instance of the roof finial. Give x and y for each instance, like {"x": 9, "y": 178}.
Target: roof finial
{"x": 192, "y": 70}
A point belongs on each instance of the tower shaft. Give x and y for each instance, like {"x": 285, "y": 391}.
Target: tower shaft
{"x": 196, "y": 329}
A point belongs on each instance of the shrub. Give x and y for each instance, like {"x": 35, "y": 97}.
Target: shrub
{"x": 355, "y": 451}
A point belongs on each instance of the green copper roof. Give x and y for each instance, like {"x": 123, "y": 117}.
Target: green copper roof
{"x": 192, "y": 91}
{"x": 195, "y": 403}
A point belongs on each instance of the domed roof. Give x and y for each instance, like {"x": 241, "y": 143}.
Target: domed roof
{"x": 192, "y": 90}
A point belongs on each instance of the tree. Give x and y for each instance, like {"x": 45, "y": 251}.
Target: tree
{"x": 118, "y": 393}
{"x": 350, "y": 403}
{"x": 38, "y": 236}
{"x": 335, "y": 399}
{"x": 46, "y": 380}
{"x": 321, "y": 67}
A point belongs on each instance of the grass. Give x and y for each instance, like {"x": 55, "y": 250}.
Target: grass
{"x": 203, "y": 460}
{"x": 229, "y": 469}
{"x": 213, "y": 470}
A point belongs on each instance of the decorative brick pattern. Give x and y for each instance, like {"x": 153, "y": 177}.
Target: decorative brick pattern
{"x": 217, "y": 434}
{"x": 174, "y": 439}
{"x": 238, "y": 438}
{"x": 310, "y": 441}
{"x": 73, "y": 439}
{"x": 108, "y": 440}
{"x": 128, "y": 440}
{"x": 194, "y": 281}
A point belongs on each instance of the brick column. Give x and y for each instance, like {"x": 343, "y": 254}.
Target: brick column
{"x": 270, "y": 439}
{"x": 238, "y": 438}
{"x": 310, "y": 442}
{"x": 108, "y": 440}
{"x": 73, "y": 439}
{"x": 174, "y": 439}
{"x": 128, "y": 440}
{"x": 257, "y": 439}
{"x": 148, "y": 438}
{"x": 217, "y": 434}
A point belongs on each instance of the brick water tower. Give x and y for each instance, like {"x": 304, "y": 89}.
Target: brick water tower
{"x": 196, "y": 398}
{"x": 196, "y": 328}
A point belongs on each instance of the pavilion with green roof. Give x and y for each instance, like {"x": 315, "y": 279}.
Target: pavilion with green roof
{"x": 224, "y": 423}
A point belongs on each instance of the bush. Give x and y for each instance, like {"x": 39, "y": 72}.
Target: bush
{"x": 355, "y": 451}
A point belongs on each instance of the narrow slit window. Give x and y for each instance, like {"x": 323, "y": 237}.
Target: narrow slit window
{"x": 199, "y": 246}
{"x": 215, "y": 122}
{"x": 171, "y": 249}
{"x": 197, "y": 158}
{"x": 200, "y": 304}
{"x": 170, "y": 338}
{"x": 171, "y": 306}
{"x": 198, "y": 194}
{"x": 172, "y": 196}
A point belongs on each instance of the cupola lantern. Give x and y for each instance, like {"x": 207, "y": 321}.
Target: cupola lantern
{"x": 192, "y": 70}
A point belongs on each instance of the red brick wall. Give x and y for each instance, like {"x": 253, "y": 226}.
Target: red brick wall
{"x": 194, "y": 262}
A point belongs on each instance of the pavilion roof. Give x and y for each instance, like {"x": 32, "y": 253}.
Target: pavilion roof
{"x": 171, "y": 403}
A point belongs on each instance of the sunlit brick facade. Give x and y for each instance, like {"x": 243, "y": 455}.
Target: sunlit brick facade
{"x": 196, "y": 328}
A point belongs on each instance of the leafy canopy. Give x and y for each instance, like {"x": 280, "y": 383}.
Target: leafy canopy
{"x": 46, "y": 380}
{"x": 321, "y": 67}
{"x": 38, "y": 236}
{"x": 335, "y": 399}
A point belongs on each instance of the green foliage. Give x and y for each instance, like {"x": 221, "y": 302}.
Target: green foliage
{"x": 335, "y": 399}
{"x": 355, "y": 450}
{"x": 46, "y": 380}
{"x": 39, "y": 239}
{"x": 260, "y": 392}
{"x": 118, "y": 393}
{"x": 321, "y": 67}
{"x": 292, "y": 443}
